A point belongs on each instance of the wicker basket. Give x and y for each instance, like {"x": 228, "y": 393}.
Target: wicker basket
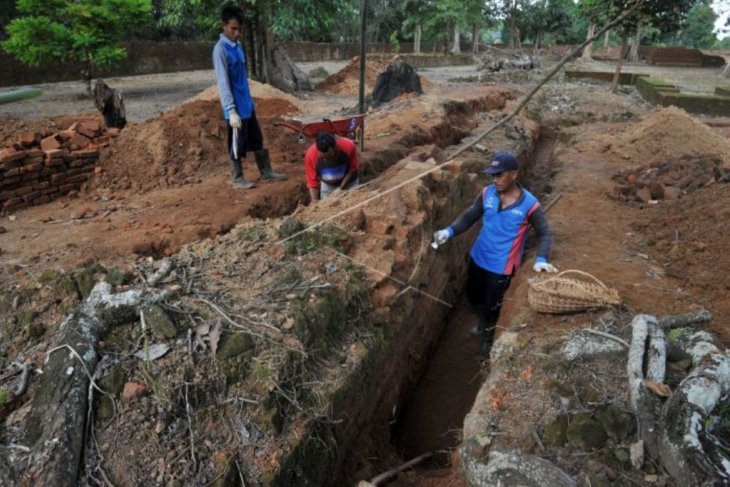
{"x": 562, "y": 294}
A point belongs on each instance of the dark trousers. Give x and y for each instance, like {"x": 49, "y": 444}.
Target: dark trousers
{"x": 250, "y": 138}
{"x": 485, "y": 291}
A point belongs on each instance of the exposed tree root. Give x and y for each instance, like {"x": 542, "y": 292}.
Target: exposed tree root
{"x": 56, "y": 424}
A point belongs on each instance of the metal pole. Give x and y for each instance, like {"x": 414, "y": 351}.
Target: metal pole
{"x": 363, "y": 28}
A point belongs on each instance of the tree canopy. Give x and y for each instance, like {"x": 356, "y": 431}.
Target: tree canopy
{"x": 87, "y": 32}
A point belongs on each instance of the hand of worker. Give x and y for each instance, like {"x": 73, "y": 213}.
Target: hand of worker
{"x": 234, "y": 119}
{"x": 442, "y": 236}
{"x": 542, "y": 265}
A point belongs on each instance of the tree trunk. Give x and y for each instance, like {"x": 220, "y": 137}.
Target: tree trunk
{"x": 455, "y": 46}
{"x": 475, "y": 39}
{"x": 417, "y": 40}
{"x": 588, "y": 51}
{"x": 56, "y": 424}
{"x": 635, "y": 45}
{"x": 111, "y": 105}
{"x": 605, "y": 38}
{"x": 620, "y": 62}
{"x": 512, "y": 25}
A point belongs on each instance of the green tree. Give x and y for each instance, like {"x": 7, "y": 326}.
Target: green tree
{"x": 189, "y": 19}
{"x": 84, "y": 32}
{"x": 697, "y": 29}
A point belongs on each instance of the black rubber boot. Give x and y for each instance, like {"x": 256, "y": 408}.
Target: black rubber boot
{"x": 263, "y": 161}
{"x": 485, "y": 346}
{"x": 238, "y": 180}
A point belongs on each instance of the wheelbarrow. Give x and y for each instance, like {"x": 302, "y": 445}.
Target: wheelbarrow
{"x": 345, "y": 127}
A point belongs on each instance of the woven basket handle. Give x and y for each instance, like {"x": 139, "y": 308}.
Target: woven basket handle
{"x": 574, "y": 271}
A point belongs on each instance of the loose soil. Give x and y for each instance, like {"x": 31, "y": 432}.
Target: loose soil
{"x": 347, "y": 80}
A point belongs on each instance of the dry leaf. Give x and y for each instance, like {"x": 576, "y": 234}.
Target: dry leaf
{"x": 658, "y": 388}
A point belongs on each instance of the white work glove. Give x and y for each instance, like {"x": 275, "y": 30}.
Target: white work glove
{"x": 234, "y": 119}
{"x": 442, "y": 236}
{"x": 541, "y": 265}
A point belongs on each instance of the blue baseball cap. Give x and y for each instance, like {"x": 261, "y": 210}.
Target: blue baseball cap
{"x": 503, "y": 161}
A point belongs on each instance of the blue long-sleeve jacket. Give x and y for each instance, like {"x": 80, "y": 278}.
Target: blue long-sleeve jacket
{"x": 229, "y": 63}
{"x": 501, "y": 241}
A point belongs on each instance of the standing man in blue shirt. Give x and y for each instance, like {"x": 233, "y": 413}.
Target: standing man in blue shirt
{"x": 507, "y": 210}
{"x": 239, "y": 110}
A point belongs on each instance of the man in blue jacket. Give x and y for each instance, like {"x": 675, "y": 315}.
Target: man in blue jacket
{"x": 507, "y": 210}
{"x": 239, "y": 110}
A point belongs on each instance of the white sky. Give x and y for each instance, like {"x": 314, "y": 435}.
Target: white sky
{"x": 722, "y": 8}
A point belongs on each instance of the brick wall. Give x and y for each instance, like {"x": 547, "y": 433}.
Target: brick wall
{"x": 39, "y": 168}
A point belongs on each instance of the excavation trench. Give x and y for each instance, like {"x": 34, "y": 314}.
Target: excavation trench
{"x": 432, "y": 414}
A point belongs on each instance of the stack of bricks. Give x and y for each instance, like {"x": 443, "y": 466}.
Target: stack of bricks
{"x": 39, "y": 168}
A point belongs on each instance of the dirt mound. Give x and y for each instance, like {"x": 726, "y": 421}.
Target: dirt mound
{"x": 667, "y": 133}
{"x": 259, "y": 91}
{"x": 347, "y": 80}
{"x": 179, "y": 147}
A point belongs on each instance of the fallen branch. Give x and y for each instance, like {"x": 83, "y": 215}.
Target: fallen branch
{"x": 645, "y": 404}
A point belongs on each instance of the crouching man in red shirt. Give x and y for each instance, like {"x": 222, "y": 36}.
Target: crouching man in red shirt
{"x": 330, "y": 165}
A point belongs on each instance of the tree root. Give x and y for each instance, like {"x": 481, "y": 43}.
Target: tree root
{"x": 56, "y": 424}
{"x": 675, "y": 433}
{"x": 683, "y": 437}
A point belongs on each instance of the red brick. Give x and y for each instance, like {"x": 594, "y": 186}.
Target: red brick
{"x": 29, "y": 139}
{"x": 86, "y": 132}
{"x": 31, "y": 176}
{"x": 65, "y": 188}
{"x": 79, "y": 178}
{"x": 55, "y": 163}
{"x": 35, "y": 153}
{"x": 77, "y": 142}
{"x": 112, "y": 131}
{"x": 42, "y": 200}
{"x": 41, "y": 185}
{"x": 12, "y": 202}
{"x": 32, "y": 167}
{"x": 32, "y": 196}
{"x": 49, "y": 191}
{"x": 50, "y": 143}
{"x": 33, "y": 160}
{"x": 15, "y": 171}
{"x": 24, "y": 190}
{"x": 58, "y": 178}
{"x": 64, "y": 135}
{"x": 47, "y": 171}
{"x": 10, "y": 180}
{"x": 7, "y": 194}
{"x": 8, "y": 155}
{"x": 86, "y": 154}
{"x": 91, "y": 125}
{"x": 74, "y": 126}
{"x": 56, "y": 154}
